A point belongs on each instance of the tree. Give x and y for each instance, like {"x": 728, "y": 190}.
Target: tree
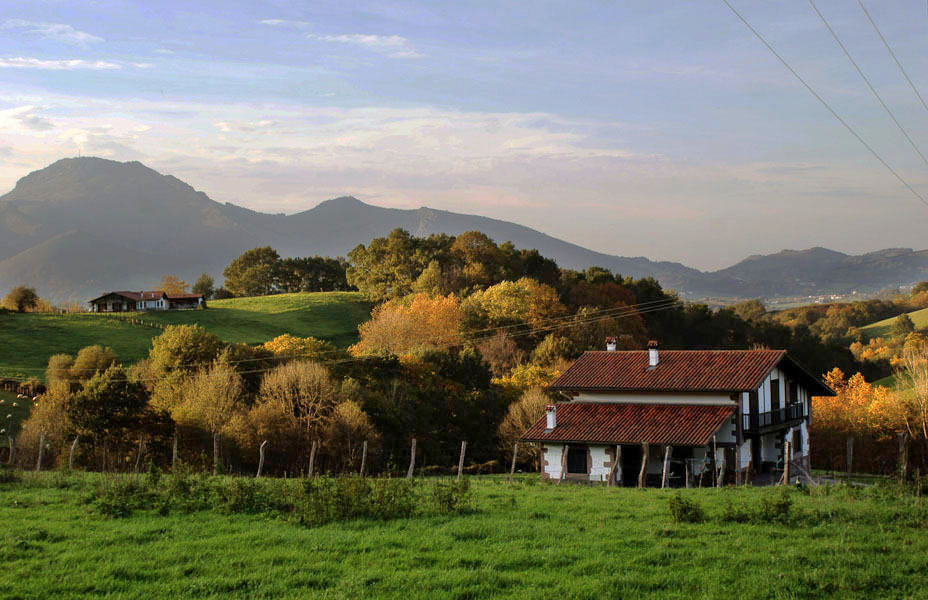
{"x": 184, "y": 347}
{"x": 303, "y": 389}
{"x": 308, "y": 348}
{"x": 347, "y": 430}
{"x": 501, "y": 353}
{"x": 914, "y": 380}
{"x": 108, "y": 404}
{"x": 903, "y": 326}
{"x": 49, "y": 416}
{"x": 91, "y": 360}
{"x": 204, "y": 285}
{"x": 254, "y": 273}
{"x": 512, "y": 302}
{"x": 209, "y": 399}
{"x": 750, "y": 310}
{"x": 173, "y": 286}
{"x": 398, "y": 326}
{"x": 59, "y": 368}
{"x": 521, "y": 415}
{"x": 21, "y": 299}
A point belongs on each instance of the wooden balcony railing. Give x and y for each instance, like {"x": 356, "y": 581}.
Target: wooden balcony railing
{"x": 786, "y": 415}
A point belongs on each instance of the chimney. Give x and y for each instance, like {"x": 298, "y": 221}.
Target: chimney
{"x": 550, "y": 411}
{"x": 652, "y": 354}
{"x": 610, "y": 344}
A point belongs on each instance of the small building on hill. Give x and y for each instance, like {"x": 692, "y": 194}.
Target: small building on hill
{"x": 718, "y": 411}
{"x": 142, "y": 301}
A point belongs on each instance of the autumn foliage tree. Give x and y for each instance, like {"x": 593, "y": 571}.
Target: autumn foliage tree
{"x": 521, "y": 415}
{"x": 399, "y": 326}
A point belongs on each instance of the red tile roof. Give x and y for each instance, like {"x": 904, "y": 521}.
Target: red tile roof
{"x": 153, "y": 295}
{"x": 620, "y": 423}
{"x": 677, "y": 371}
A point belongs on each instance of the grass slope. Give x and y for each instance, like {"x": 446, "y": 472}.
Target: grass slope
{"x": 11, "y": 417}
{"x": 28, "y": 340}
{"x": 523, "y": 541}
{"x": 883, "y": 328}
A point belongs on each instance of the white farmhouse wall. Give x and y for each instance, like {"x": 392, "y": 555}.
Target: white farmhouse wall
{"x": 598, "y": 460}
{"x": 656, "y": 398}
{"x": 553, "y": 457}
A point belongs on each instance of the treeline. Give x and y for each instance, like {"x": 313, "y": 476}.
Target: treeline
{"x": 261, "y": 272}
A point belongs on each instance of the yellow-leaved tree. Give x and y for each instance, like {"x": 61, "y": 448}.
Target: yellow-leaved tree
{"x": 400, "y": 326}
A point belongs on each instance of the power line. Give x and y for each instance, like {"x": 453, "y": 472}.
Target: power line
{"x": 825, "y": 104}
{"x": 870, "y": 85}
{"x": 570, "y": 319}
{"x": 893, "y": 54}
{"x": 553, "y": 324}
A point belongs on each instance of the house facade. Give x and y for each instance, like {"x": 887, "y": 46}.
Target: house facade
{"x": 721, "y": 413}
{"x": 143, "y": 301}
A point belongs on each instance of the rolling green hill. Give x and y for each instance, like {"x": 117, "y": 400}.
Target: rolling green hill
{"x": 883, "y": 328}
{"x": 28, "y": 340}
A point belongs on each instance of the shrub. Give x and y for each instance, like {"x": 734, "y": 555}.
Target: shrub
{"x": 117, "y": 496}
{"x": 685, "y": 510}
{"x": 777, "y": 506}
{"x": 451, "y": 496}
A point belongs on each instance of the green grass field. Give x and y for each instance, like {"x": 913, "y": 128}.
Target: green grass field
{"x": 529, "y": 540}
{"x": 28, "y": 340}
{"x": 883, "y": 328}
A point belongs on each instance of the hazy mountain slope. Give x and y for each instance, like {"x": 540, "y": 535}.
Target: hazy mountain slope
{"x": 84, "y": 225}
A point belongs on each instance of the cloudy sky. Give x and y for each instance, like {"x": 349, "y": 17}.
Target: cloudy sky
{"x": 633, "y": 128}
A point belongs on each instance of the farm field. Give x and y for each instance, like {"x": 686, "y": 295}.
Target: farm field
{"x": 28, "y": 340}
{"x": 530, "y": 539}
{"x": 17, "y": 414}
{"x": 884, "y": 327}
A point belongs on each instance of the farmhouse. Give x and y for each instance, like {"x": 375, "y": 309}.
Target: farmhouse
{"x": 134, "y": 301}
{"x": 728, "y": 411}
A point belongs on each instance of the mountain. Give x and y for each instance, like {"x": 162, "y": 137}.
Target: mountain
{"x": 85, "y": 225}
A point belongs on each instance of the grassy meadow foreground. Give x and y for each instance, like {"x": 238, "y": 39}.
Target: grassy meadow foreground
{"x": 29, "y": 339}
{"x": 529, "y": 539}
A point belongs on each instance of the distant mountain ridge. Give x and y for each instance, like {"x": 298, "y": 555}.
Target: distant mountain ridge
{"x": 84, "y": 225}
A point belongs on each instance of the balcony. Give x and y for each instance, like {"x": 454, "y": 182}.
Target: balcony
{"x": 791, "y": 414}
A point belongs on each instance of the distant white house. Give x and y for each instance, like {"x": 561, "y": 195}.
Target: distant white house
{"x": 141, "y": 301}
{"x": 707, "y": 406}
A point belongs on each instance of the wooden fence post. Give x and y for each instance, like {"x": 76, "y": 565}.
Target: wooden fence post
{"x": 38, "y": 463}
{"x": 312, "y": 459}
{"x": 787, "y": 457}
{"x": 138, "y": 458}
{"x": 686, "y": 472}
{"x": 174, "y": 454}
{"x": 515, "y": 454}
{"x": 412, "y": 460}
{"x": 71, "y": 457}
{"x": 904, "y": 456}
{"x": 563, "y": 474}
{"x": 363, "y": 458}
{"x": 461, "y": 459}
{"x": 261, "y": 458}
{"x": 720, "y": 482}
{"x": 666, "y": 467}
{"x": 715, "y": 458}
{"x": 850, "y": 456}
{"x": 738, "y": 463}
{"x": 617, "y": 456}
{"x": 642, "y": 475}
{"x": 12, "y": 455}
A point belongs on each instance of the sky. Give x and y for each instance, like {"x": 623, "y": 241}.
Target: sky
{"x": 658, "y": 129}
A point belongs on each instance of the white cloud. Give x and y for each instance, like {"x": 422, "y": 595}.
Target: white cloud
{"x": 61, "y": 32}
{"x": 285, "y": 23}
{"x": 20, "y": 62}
{"x": 142, "y": 65}
{"x": 394, "y": 46}
{"x": 25, "y": 118}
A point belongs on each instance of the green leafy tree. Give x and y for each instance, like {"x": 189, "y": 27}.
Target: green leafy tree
{"x": 21, "y": 299}
{"x": 204, "y": 285}
{"x": 108, "y": 404}
{"x": 209, "y": 398}
{"x": 91, "y": 360}
{"x": 182, "y": 347}
{"x": 254, "y": 273}
{"x": 903, "y": 326}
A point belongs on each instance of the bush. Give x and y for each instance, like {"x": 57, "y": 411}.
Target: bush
{"x": 685, "y": 510}
{"x": 327, "y": 499}
{"x": 451, "y": 496}
{"x": 117, "y": 496}
{"x": 777, "y": 506}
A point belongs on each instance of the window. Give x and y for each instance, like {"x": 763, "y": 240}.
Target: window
{"x": 576, "y": 460}
{"x": 793, "y": 397}
{"x": 774, "y": 394}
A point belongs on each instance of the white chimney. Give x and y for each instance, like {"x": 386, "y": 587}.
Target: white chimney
{"x": 652, "y": 354}
{"x": 610, "y": 344}
{"x": 550, "y": 411}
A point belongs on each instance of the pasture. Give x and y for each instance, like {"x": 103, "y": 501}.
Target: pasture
{"x": 529, "y": 539}
{"x": 884, "y": 328}
{"x": 28, "y": 340}
{"x": 11, "y": 417}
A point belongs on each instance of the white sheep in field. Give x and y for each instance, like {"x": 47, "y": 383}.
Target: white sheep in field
{"x": 15, "y": 404}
